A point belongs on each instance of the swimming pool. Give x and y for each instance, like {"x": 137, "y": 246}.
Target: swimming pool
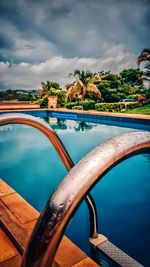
{"x": 30, "y": 164}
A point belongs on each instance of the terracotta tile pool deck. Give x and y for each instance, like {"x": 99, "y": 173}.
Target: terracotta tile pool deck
{"x": 17, "y": 219}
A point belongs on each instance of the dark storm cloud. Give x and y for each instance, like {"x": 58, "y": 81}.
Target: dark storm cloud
{"x": 94, "y": 33}
{"x": 58, "y": 12}
{"x": 8, "y": 9}
{"x": 71, "y": 24}
{"x": 6, "y": 42}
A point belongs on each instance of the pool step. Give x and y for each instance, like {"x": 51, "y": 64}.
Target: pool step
{"x": 17, "y": 219}
{"x": 113, "y": 252}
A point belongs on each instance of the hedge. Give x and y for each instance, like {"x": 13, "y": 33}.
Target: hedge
{"x": 85, "y": 104}
{"x": 77, "y": 107}
{"x": 115, "y": 107}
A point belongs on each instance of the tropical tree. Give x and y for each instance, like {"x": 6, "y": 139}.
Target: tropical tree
{"x": 115, "y": 87}
{"x": 132, "y": 77}
{"x": 113, "y": 79}
{"x": 47, "y": 86}
{"x": 83, "y": 87}
{"x": 108, "y": 84}
{"x": 144, "y": 56}
{"x": 146, "y": 75}
{"x": 83, "y": 76}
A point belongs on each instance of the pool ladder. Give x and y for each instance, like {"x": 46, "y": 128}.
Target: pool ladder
{"x": 81, "y": 178}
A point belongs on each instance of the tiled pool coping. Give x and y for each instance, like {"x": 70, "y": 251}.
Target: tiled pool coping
{"x": 119, "y": 119}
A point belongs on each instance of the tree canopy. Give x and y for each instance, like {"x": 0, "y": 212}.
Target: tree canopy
{"x": 102, "y": 86}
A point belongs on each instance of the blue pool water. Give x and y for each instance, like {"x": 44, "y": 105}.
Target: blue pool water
{"x": 31, "y": 166}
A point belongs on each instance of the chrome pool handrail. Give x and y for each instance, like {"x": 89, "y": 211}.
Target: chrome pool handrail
{"x": 61, "y": 206}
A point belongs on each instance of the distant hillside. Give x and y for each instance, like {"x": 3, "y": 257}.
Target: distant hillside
{"x": 21, "y": 95}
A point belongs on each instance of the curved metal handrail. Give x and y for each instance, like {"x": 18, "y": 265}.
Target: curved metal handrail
{"x": 55, "y": 217}
{"x": 12, "y": 118}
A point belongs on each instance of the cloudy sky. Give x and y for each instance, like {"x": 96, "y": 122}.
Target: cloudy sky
{"x": 46, "y": 40}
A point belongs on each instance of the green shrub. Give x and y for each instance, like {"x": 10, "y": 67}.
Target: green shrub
{"x": 115, "y": 107}
{"x": 132, "y": 105}
{"x": 61, "y": 102}
{"x": 77, "y": 107}
{"x": 70, "y": 105}
{"x": 87, "y": 105}
{"x": 43, "y": 102}
{"x": 133, "y": 96}
{"x": 113, "y": 97}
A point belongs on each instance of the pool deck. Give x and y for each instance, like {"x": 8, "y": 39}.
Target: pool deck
{"x": 17, "y": 106}
{"x": 17, "y": 219}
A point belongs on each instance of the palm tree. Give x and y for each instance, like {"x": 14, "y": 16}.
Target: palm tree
{"x": 146, "y": 75}
{"x": 79, "y": 91}
{"x": 144, "y": 56}
{"x": 47, "y": 86}
{"x": 50, "y": 85}
{"x": 85, "y": 83}
{"x": 83, "y": 76}
{"x": 75, "y": 91}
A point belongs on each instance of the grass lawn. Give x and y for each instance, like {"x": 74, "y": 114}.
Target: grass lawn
{"x": 145, "y": 110}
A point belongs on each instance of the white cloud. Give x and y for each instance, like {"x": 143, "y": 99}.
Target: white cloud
{"x": 29, "y": 76}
